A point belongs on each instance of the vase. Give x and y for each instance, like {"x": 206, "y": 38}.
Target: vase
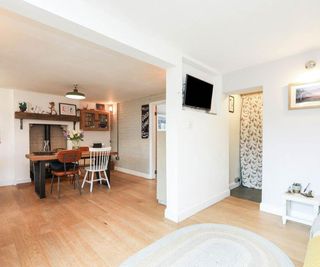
{"x": 75, "y": 144}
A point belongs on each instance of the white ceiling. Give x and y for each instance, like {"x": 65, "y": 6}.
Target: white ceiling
{"x": 226, "y": 35}
{"x": 37, "y": 58}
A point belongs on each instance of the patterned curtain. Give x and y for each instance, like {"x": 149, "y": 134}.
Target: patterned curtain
{"x": 251, "y": 141}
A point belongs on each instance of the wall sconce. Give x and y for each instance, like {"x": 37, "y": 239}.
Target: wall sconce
{"x": 310, "y": 64}
{"x": 111, "y": 108}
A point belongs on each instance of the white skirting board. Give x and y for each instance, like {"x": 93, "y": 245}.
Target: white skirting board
{"x": 23, "y": 181}
{"x": 270, "y": 209}
{"x": 234, "y": 185}
{"x": 186, "y": 213}
{"x": 136, "y": 173}
{"x": 12, "y": 182}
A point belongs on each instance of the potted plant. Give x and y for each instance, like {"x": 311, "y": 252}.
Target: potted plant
{"x": 75, "y": 137}
{"x": 23, "y": 106}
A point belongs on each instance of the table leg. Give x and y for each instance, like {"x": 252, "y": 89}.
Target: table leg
{"x": 108, "y": 170}
{"x": 36, "y": 171}
{"x": 40, "y": 178}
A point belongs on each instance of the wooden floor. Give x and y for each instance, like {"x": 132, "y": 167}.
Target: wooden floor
{"x": 105, "y": 227}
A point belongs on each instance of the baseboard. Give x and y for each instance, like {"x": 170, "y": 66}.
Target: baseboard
{"x": 136, "y": 173}
{"x": 23, "y": 181}
{"x": 6, "y": 182}
{"x": 186, "y": 213}
{"x": 171, "y": 215}
{"x": 234, "y": 185}
{"x": 270, "y": 209}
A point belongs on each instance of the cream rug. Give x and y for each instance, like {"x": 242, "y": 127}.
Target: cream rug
{"x": 211, "y": 245}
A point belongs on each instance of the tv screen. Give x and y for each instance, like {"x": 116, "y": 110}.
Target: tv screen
{"x": 198, "y": 93}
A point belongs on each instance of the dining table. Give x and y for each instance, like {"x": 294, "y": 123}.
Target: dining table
{"x": 40, "y": 160}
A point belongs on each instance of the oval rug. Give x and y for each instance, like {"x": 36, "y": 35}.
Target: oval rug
{"x": 215, "y": 245}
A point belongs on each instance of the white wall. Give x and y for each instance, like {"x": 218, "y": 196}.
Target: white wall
{"x": 21, "y": 137}
{"x": 7, "y": 160}
{"x": 134, "y": 152}
{"x": 197, "y": 147}
{"x": 234, "y": 141}
{"x": 290, "y": 137}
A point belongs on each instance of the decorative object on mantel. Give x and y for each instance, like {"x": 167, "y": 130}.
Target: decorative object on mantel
{"x": 302, "y": 96}
{"x": 75, "y": 137}
{"x": 145, "y": 121}
{"x": 75, "y": 94}
{"x": 23, "y": 106}
{"x": 46, "y": 117}
{"x": 52, "y": 108}
{"x": 67, "y": 109}
{"x": 100, "y": 107}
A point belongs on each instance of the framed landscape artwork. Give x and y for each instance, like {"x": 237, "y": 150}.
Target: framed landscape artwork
{"x": 303, "y": 96}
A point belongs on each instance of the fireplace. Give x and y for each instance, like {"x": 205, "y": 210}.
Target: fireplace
{"x": 46, "y": 137}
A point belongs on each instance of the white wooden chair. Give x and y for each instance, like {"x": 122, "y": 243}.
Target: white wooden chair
{"x": 99, "y": 158}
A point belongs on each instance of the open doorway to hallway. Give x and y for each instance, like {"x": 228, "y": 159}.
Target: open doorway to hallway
{"x": 158, "y": 149}
{"x": 245, "y": 144}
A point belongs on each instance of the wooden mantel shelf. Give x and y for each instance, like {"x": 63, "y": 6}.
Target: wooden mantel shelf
{"x": 46, "y": 117}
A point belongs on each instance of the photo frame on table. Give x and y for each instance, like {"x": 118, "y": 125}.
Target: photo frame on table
{"x": 231, "y": 104}
{"x": 304, "y": 95}
{"x": 67, "y": 109}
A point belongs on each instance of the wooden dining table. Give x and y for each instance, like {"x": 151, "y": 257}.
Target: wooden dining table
{"x": 39, "y": 163}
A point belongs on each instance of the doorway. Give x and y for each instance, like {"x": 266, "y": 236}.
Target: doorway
{"x": 245, "y": 149}
{"x": 158, "y": 149}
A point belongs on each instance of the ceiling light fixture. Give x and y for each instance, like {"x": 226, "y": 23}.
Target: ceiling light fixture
{"x": 75, "y": 94}
{"x": 310, "y": 64}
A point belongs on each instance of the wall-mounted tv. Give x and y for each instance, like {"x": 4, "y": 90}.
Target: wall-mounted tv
{"x": 198, "y": 93}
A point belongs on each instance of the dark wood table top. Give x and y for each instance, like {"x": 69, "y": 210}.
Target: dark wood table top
{"x": 34, "y": 157}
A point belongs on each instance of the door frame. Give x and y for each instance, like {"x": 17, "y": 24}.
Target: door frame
{"x": 153, "y": 139}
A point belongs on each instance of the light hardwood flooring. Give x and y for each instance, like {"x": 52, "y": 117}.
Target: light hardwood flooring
{"x": 103, "y": 228}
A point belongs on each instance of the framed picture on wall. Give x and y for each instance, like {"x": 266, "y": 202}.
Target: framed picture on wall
{"x": 231, "y": 104}
{"x": 145, "y": 121}
{"x": 100, "y": 107}
{"x": 67, "y": 109}
{"x": 302, "y": 96}
{"x": 161, "y": 124}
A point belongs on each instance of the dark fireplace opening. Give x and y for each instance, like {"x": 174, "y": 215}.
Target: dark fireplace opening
{"x": 46, "y": 138}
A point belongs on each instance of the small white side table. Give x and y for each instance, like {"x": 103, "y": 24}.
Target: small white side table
{"x": 289, "y": 198}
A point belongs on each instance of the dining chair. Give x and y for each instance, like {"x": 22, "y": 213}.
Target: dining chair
{"x": 99, "y": 158}
{"x": 82, "y": 162}
{"x": 66, "y": 165}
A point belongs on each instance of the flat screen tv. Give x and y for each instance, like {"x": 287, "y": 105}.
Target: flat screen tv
{"x": 198, "y": 93}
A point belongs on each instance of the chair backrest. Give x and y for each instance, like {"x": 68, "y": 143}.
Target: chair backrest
{"x": 69, "y": 156}
{"x": 99, "y": 158}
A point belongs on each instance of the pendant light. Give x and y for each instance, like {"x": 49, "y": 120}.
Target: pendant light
{"x": 75, "y": 94}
